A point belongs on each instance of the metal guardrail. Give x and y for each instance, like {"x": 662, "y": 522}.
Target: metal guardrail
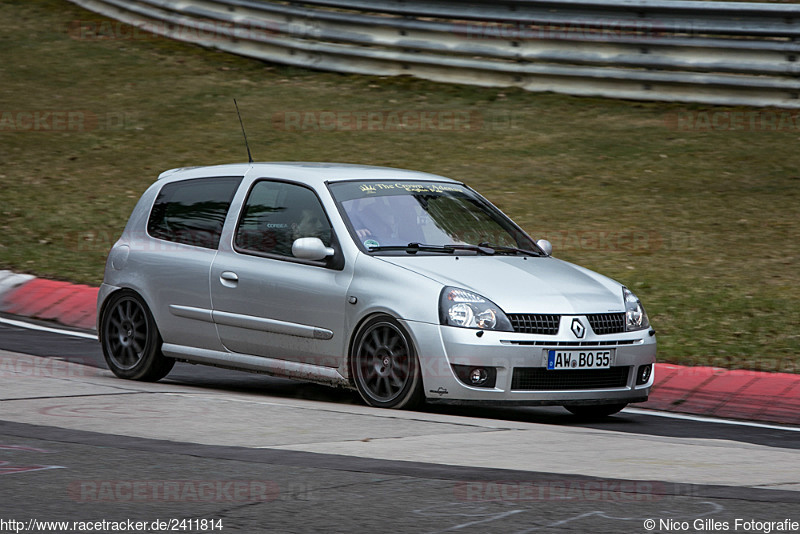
{"x": 686, "y": 51}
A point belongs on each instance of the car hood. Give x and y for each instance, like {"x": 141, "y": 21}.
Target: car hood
{"x": 522, "y": 284}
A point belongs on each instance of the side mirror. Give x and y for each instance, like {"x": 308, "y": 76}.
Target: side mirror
{"x": 545, "y": 245}
{"x": 310, "y": 248}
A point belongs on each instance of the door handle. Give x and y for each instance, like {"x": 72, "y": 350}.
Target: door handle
{"x": 228, "y": 278}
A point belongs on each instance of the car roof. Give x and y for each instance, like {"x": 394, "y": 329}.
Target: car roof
{"x": 316, "y": 173}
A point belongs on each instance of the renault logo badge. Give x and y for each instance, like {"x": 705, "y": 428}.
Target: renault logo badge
{"x": 578, "y": 329}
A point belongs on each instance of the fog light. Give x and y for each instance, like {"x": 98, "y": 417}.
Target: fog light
{"x": 644, "y": 374}
{"x": 478, "y": 376}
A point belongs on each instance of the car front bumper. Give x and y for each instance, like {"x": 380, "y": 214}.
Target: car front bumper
{"x": 440, "y": 347}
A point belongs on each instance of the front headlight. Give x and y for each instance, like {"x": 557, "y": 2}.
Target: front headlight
{"x": 635, "y": 316}
{"x": 459, "y": 307}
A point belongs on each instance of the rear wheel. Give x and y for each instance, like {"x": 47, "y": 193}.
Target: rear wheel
{"x": 130, "y": 339}
{"x": 384, "y": 365}
{"x": 596, "y": 411}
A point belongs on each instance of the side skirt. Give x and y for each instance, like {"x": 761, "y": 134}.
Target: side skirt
{"x": 257, "y": 364}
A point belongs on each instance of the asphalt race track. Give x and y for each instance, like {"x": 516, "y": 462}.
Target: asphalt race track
{"x": 208, "y": 448}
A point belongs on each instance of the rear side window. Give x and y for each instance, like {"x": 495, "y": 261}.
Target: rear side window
{"x": 193, "y": 212}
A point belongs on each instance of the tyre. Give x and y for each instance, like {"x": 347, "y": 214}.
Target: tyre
{"x": 596, "y": 411}
{"x": 384, "y": 365}
{"x": 130, "y": 339}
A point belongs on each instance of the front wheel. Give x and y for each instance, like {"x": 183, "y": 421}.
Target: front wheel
{"x": 130, "y": 339}
{"x": 384, "y": 365}
{"x": 596, "y": 411}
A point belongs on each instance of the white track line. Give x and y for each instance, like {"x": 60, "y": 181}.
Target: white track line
{"x": 702, "y": 419}
{"x": 31, "y": 326}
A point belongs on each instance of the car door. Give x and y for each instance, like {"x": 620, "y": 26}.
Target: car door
{"x": 268, "y": 303}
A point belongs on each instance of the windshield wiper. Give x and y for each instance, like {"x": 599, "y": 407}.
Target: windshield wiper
{"x": 514, "y": 250}
{"x": 413, "y": 248}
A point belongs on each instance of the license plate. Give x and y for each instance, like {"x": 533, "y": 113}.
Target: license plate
{"x": 578, "y": 359}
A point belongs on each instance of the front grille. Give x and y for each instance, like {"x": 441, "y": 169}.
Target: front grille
{"x": 607, "y": 323}
{"x": 540, "y": 379}
{"x": 533, "y": 323}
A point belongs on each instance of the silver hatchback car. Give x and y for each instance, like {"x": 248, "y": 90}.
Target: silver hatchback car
{"x": 404, "y": 285}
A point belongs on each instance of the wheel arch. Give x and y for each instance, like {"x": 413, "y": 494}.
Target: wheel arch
{"x": 385, "y": 370}
{"x": 353, "y": 334}
{"x": 108, "y": 297}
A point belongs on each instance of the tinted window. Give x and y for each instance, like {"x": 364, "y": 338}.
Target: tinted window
{"x": 192, "y": 211}
{"x": 277, "y": 213}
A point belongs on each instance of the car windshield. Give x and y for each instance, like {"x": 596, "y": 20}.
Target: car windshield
{"x": 427, "y": 217}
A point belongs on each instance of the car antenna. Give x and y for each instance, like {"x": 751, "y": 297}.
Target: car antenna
{"x": 249, "y": 157}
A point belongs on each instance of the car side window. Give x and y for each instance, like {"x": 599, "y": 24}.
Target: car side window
{"x": 193, "y": 212}
{"x": 276, "y": 214}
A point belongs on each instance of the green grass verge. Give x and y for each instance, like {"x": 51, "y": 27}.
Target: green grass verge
{"x": 702, "y": 225}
